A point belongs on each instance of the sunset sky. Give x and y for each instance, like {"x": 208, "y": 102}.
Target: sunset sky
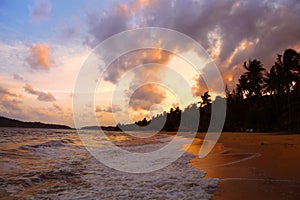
{"x": 44, "y": 43}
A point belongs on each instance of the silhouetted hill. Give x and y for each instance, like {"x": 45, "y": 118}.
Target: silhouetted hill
{"x": 6, "y": 122}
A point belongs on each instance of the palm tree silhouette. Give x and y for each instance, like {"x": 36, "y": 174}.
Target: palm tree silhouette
{"x": 283, "y": 78}
{"x": 206, "y": 100}
{"x": 291, "y": 61}
{"x": 276, "y": 78}
{"x": 254, "y": 77}
{"x": 261, "y": 100}
{"x": 242, "y": 88}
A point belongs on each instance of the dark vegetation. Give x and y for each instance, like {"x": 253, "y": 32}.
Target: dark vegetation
{"x": 106, "y": 128}
{"x": 261, "y": 101}
{"x": 6, "y": 122}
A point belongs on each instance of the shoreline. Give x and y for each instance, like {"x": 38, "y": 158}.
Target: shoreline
{"x": 247, "y": 165}
{"x": 50, "y": 164}
{"x": 252, "y": 165}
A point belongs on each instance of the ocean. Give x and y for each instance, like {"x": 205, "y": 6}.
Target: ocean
{"x": 54, "y": 164}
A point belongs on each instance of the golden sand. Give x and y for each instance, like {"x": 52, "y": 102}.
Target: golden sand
{"x": 253, "y": 165}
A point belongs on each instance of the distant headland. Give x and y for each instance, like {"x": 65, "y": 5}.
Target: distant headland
{"x": 6, "y": 122}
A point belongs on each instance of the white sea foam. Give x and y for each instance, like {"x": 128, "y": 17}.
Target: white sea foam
{"x": 54, "y": 166}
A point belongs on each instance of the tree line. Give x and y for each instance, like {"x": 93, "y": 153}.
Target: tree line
{"x": 262, "y": 100}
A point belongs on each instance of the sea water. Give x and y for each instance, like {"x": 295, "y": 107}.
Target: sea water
{"x": 54, "y": 164}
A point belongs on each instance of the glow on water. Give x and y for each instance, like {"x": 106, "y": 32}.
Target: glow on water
{"x": 42, "y": 163}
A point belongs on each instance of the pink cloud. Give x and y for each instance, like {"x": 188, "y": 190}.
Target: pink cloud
{"x": 40, "y": 57}
{"x": 9, "y": 99}
{"x": 41, "y": 96}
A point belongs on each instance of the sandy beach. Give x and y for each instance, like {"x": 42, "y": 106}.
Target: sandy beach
{"x": 253, "y": 165}
{"x": 38, "y": 163}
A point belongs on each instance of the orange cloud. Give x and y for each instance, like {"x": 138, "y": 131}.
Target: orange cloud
{"x": 146, "y": 96}
{"x": 136, "y": 58}
{"x": 8, "y": 99}
{"x": 40, "y": 57}
{"x": 138, "y": 4}
{"x": 41, "y": 96}
{"x": 123, "y": 9}
{"x": 134, "y": 7}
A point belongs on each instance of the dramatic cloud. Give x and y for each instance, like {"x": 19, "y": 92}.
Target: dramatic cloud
{"x": 41, "y": 96}
{"x": 40, "y": 11}
{"x": 231, "y": 31}
{"x": 40, "y": 57}
{"x": 233, "y": 22}
{"x": 146, "y": 96}
{"x": 200, "y": 87}
{"x": 103, "y": 26}
{"x": 137, "y": 58}
{"x": 142, "y": 75}
{"x": 108, "y": 109}
{"x": 8, "y": 99}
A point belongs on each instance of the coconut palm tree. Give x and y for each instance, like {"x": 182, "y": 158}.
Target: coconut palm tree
{"x": 254, "y": 76}
{"x": 243, "y": 89}
{"x": 270, "y": 82}
{"x": 275, "y": 80}
{"x": 206, "y": 100}
{"x": 284, "y": 78}
{"x": 291, "y": 62}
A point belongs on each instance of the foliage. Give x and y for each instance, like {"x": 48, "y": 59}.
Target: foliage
{"x": 261, "y": 101}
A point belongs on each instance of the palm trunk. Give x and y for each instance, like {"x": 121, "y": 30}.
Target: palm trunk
{"x": 289, "y": 111}
{"x": 298, "y": 110}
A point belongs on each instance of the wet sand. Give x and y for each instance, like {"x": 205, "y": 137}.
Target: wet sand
{"x": 253, "y": 165}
